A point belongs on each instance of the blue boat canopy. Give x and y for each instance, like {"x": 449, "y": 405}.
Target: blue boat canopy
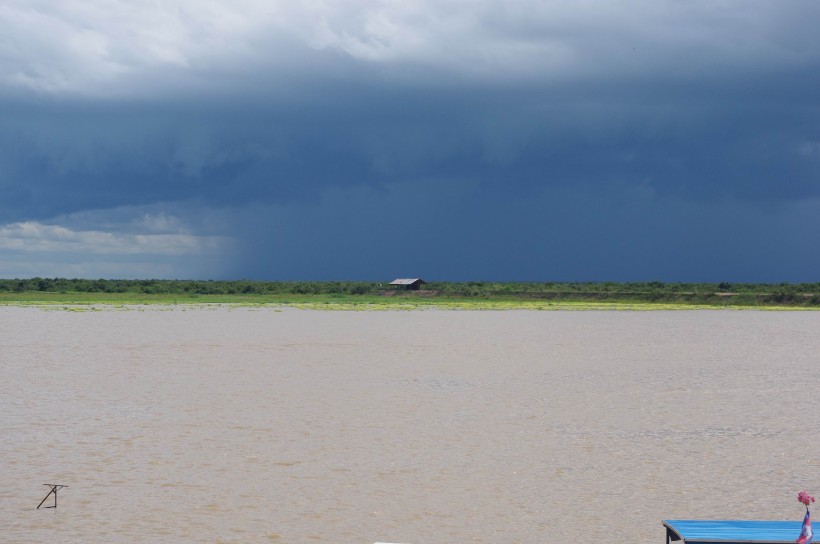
{"x": 732, "y": 531}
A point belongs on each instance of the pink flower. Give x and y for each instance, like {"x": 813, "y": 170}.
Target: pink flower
{"x": 805, "y": 498}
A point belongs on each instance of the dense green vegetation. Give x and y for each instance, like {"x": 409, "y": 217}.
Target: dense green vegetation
{"x": 135, "y": 291}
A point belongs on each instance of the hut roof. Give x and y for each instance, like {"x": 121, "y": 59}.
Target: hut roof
{"x": 406, "y": 281}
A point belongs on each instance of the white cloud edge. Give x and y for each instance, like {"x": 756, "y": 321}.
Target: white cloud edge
{"x": 33, "y": 237}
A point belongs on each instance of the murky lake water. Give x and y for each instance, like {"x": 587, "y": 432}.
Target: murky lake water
{"x": 175, "y": 425}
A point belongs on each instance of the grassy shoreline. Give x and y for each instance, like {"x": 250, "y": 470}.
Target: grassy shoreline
{"x": 408, "y": 301}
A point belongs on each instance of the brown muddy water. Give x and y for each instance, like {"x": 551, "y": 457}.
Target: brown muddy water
{"x": 225, "y": 424}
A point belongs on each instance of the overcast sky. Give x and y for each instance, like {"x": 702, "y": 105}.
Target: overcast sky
{"x": 450, "y": 140}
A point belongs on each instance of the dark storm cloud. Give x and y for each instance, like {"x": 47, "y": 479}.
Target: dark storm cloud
{"x": 738, "y": 141}
{"x": 264, "y": 110}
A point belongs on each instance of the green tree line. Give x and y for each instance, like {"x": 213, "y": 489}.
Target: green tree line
{"x": 723, "y": 292}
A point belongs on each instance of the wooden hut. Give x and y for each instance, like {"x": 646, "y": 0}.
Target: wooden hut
{"x": 409, "y": 284}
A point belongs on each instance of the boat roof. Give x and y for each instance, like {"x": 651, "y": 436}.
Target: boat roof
{"x": 732, "y": 531}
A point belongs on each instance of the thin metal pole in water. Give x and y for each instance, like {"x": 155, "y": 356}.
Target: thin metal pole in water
{"x": 54, "y": 489}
